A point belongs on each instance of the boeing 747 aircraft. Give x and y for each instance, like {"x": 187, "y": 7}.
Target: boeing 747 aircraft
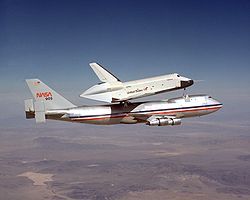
{"x": 48, "y": 104}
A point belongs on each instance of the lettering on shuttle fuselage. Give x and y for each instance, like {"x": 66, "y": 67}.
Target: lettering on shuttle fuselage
{"x": 46, "y": 95}
{"x": 137, "y": 90}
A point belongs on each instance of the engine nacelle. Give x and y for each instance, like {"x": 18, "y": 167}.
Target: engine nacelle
{"x": 164, "y": 122}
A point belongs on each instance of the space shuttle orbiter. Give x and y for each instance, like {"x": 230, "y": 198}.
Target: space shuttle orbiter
{"x": 112, "y": 90}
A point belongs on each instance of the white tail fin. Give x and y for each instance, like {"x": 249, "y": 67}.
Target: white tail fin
{"x": 51, "y": 99}
{"x": 103, "y": 74}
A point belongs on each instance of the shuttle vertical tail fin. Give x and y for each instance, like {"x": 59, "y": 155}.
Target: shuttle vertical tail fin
{"x": 103, "y": 74}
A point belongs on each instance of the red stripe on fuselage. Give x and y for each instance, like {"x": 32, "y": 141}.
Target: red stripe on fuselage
{"x": 98, "y": 118}
{"x": 149, "y": 114}
{"x": 187, "y": 110}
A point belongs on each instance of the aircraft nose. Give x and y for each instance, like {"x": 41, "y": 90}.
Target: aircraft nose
{"x": 188, "y": 83}
{"x": 218, "y": 103}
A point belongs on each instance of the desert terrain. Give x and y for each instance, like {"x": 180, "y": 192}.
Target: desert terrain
{"x": 199, "y": 160}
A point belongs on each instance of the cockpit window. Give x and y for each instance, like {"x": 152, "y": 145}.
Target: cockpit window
{"x": 178, "y": 75}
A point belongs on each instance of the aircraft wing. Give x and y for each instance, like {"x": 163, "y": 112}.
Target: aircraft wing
{"x": 103, "y": 74}
{"x": 154, "y": 117}
{"x": 157, "y": 118}
{"x": 149, "y": 117}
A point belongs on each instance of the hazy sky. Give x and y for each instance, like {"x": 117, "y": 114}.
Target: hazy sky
{"x": 55, "y": 40}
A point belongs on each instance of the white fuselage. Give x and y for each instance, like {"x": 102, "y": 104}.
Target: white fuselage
{"x": 182, "y": 107}
{"x": 154, "y": 85}
{"x": 123, "y": 91}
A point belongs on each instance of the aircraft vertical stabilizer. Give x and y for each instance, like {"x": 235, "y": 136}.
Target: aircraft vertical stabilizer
{"x": 51, "y": 99}
{"x": 103, "y": 74}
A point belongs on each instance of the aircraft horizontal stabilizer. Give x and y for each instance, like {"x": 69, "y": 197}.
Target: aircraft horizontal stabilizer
{"x": 40, "y": 112}
{"x": 35, "y": 110}
{"x": 29, "y": 108}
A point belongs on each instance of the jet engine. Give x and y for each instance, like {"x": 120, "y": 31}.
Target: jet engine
{"x": 164, "y": 122}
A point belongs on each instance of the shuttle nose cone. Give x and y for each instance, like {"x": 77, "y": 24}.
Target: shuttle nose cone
{"x": 188, "y": 83}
